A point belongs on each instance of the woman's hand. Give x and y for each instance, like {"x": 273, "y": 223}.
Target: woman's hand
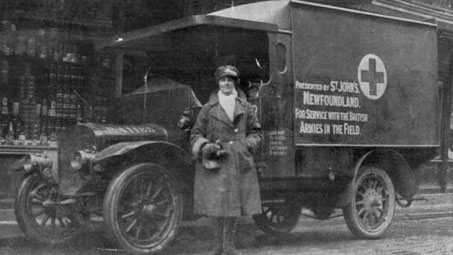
{"x": 209, "y": 150}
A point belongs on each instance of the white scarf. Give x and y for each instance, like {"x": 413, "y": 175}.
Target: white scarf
{"x": 228, "y": 103}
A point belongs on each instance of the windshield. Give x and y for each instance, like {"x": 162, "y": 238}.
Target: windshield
{"x": 189, "y": 57}
{"x": 177, "y": 74}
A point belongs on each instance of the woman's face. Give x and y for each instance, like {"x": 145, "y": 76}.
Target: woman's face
{"x": 226, "y": 85}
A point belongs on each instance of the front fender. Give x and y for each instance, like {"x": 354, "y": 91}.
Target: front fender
{"x": 168, "y": 155}
{"x": 173, "y": 158}
{"x": 120, "y": 155}
{"x": 142, "y": 147}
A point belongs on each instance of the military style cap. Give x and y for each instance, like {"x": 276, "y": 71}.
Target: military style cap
{"x": 227, "y": 70}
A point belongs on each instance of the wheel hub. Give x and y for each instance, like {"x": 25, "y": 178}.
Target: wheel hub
{"x": 149, "y": 209}
{"x": 372, "y": 199}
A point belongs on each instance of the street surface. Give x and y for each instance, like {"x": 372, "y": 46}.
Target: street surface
{"x": 405, "y": 237}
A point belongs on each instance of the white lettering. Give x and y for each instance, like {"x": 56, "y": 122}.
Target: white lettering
{"x": 351, "y": 129}
{"x": 299, "y": 114}
{"x": 316, "y": 115}
{"x": 330, "y": 100}
{"x": 308, "y": 86}
{"x": 310, "y": 128}
{"x": 333, "y": 85}
{"x": 362, "y": 117}
{"x": 337, "y": 129}
{"x": 349, "y": 87}
{"x": 334, "y": 116}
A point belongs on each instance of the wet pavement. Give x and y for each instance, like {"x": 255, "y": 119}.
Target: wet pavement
{"x": 424, "y": 228}
{"x": 407, "y": 237}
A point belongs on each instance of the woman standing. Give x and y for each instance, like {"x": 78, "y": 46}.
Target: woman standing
{"x": 224, "y": 137}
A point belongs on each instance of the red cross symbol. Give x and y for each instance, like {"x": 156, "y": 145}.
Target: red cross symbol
{"x": 373, "y": 77}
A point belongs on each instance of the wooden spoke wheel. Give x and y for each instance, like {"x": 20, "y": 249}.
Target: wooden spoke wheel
{"x": 372, "y": 205}
{"x": 143, "y": 208}
{"x": 41, "y": 217}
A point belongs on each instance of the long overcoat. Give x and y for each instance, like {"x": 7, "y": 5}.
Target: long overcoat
{"x": 233, "y": 190}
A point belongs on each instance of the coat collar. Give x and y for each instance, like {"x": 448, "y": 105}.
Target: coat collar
{"x": 214, "y": 98}
{"x": 220, "y": 114}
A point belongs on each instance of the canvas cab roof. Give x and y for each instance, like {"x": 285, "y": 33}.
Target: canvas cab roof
{"x": 155, "y": 37}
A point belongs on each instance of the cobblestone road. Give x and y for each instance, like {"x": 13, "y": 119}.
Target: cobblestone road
{"x": 406, "y": 237}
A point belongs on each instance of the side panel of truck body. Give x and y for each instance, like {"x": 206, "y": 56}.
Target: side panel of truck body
{"x": 363, "y": 80}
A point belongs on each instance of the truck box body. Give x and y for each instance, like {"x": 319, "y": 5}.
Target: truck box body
{"x": 353, "y": 80}
{"x": 362, "y": 79}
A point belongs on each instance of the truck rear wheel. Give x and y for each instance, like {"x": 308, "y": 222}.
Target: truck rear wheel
{"x": 278, "y": 217}
{"x": 372, "y": 205}
{"x": 143, "y": 208}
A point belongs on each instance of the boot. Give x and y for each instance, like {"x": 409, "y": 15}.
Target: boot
{"x": 229, "y": 230}
{"x": 217, "y": 225}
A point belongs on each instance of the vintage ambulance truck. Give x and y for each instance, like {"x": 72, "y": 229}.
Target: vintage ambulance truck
{"x": 349, "y": 103}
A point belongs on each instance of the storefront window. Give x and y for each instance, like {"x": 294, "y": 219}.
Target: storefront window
{"x": 43, "y": 83}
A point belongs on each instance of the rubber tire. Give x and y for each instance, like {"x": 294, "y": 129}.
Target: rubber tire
{"x": 290, "y": 220}
{"x": 111, "y": 201}
{"x": 350, "y": 211}
{"x": 27, "y": 222}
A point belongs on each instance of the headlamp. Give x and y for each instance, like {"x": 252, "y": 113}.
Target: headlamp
{"x": 37, "y": 160}
{"x": 81, "y": 158}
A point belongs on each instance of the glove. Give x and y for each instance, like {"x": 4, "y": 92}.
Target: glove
{"x": 211, "y": 154}
{"x": 213, "y": 151}
{"x": 209, "y": 151}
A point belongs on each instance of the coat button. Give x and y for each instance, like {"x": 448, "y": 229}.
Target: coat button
{"x": 236, "y": 130}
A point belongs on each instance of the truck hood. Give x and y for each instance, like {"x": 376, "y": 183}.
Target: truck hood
{"x": 96, "y": 137}
{"x": 106, "y": 134}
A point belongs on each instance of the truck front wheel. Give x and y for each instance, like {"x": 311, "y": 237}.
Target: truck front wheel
{"x": 143, "y": 208}
{"x": 43, "y": 214}
{"x": 372, "y": 205}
